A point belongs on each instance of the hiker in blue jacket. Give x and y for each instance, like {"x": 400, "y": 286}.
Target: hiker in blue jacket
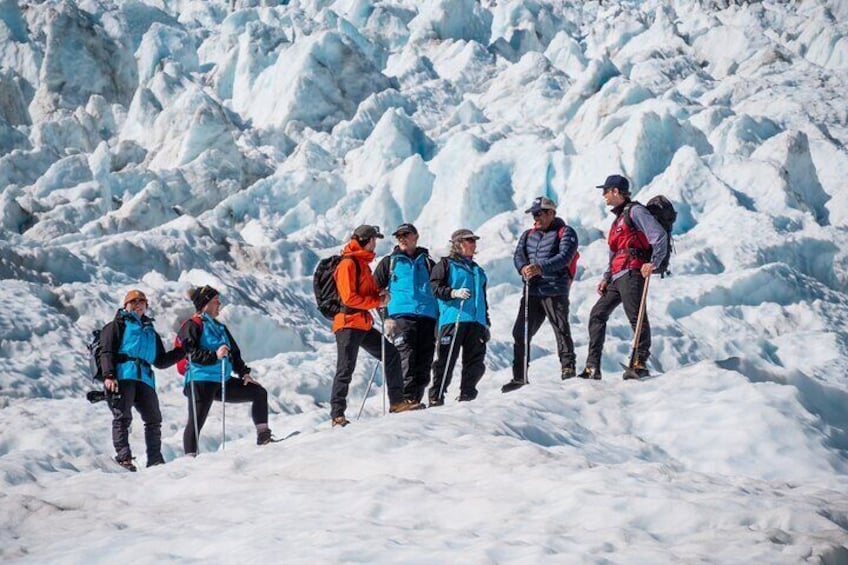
{"x": 212, "y": 351}
{"x": 545, "y": 258}
{"x": 459, "y": 284}
{"x": 130, "y": 346}
{"x": 412, "y": 309}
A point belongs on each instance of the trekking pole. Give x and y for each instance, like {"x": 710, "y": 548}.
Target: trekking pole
{"x": 367, "y": 390}
{"x": 223, "y": 406}
{"x": 194, "y": 410}
{"x": 383, "y": 357}
{"x": 526, "y": 329}
{"x": 450, "y": 351}
{"x": 629, "y": 373}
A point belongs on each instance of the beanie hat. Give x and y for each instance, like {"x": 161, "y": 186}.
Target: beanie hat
{"x": 133, "y": 295}
{"x": 201, "y": 296}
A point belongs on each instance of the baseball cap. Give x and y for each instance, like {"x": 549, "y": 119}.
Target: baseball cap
{"x": 616, "y": 181}
{"x": 405, "y": 228}
{"x": 366, "y": 232}
{"x": 461, "y": 234}
{"x": 539, "y": 204}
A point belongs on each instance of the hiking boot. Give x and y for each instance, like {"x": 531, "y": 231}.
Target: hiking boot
{"x": 568, "y": 373}
{"x": 435, "y": 402}
{"x": 590, "y": 372}
{"x": 512, "y": 385}
{"x": 263, "y": 437}
{"x": 637, "y": 371}
{"x": 405, "y": 406}
{"x": 467, "y": 397}
{"x": 340, "y": 421}
{"x": 158, "y": 460}
{"x": 126, "y": 464}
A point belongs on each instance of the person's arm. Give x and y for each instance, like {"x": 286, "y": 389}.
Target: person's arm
{"x": 235, "y": 356}
{"x": 439, "y": 280}
{"x": 165, "y": 359}
{"x": 348, "y": 292}
{"x": 519, "y": 256}
{"x": 190, "y": 337}
{"x": 558, "y": 263}
{"x": 645, "y": 222}
{"x": 381, "y": 273}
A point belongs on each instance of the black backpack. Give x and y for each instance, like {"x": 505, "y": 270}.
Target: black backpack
{"x": 324, "y": 286}
{"x": 663, "y": 211}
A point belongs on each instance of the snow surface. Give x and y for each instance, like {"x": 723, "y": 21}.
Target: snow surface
{"x": 166, "y": 143}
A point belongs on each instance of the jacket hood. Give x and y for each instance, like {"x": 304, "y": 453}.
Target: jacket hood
{"x": 354, "y": 250}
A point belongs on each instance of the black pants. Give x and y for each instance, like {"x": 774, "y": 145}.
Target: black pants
{"x": 348, "y": 342}
{"x": 415, "y": 341}
{"x": 555, "y": 309}
{"x": 141, "y": 396}
{"x": 626, "y": 290}
{"x": 208, "y": 391}
{"x": 471, "y": 340}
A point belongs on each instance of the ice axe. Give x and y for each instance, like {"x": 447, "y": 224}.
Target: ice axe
{"x": 629, "y": 371}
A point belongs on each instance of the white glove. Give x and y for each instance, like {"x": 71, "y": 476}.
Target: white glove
{"x": 390, "y": 328}
{"x": 461, "y": 293}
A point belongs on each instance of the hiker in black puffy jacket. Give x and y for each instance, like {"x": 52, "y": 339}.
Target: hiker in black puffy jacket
{"x": 129, "y": 346}
{"x": 542, "y": 258}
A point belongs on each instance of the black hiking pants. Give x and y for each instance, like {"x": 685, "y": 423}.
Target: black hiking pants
{"x": 206, "y": 392}
{"x": 415, "y": 340}
{"x": 626, "y": 290}
{"x": 143, "y": 398}
{"x": 348, "y": 342}
{"x": 555, "y": 309}
{"x": 471, "y": 340}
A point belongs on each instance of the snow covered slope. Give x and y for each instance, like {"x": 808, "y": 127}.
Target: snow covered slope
{"x": 165, "y": 143}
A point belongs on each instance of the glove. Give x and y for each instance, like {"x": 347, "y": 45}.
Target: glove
{"x": 487, "y": 335}
{"x": 461, "y": 293}
{"x": 390, "y": 328}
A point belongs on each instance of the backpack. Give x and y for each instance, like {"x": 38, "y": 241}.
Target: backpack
{"x": 664, "y": 213}
{"x": 324, "y": 286}
{"x": 572, "y": 266}
{"x": 182, "y": 364}
{"x": 95, "y": 347}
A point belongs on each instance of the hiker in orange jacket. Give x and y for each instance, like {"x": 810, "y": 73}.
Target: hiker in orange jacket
{"x": 353, "y": 326}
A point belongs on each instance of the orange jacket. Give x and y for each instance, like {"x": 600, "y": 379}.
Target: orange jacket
{"x": 362, "y": 294}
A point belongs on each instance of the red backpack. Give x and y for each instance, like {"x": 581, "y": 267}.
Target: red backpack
{"x": 182, "y": 364}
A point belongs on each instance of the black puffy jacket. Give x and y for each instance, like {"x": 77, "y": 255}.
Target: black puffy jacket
{"x": 552, "y": 253}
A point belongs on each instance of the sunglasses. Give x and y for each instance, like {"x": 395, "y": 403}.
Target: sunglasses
{"x": 137, "y": 300}
{"x": 404, "y": 234}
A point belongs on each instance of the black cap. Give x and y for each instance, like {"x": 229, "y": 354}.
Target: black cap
{"x": 366, "y": 232}
{"x": 405, "y": 228}
{"x": 616, "y": 181}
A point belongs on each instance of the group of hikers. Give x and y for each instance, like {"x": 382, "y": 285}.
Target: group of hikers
{"x": 428, "y": 309}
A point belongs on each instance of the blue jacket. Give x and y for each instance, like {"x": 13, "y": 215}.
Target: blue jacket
{"x": 552, "y": 253}
{"x": 130, "y": 345}
{"x": 408, "y": 281}
{"x": 452, "y": 273}
{"x": 201, "y": 347}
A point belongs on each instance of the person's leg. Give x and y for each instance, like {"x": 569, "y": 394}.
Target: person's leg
{"x": 473, "y": 361}
{"x": 405, "y": 341}
{"x": 425, "y": 348}
{"x": 446, "y": 338}
{"x": 536, "y": 317}
{"x": 373, "y": 343}
{"x": 204, "y": 395}
{"x": 238, "y": 392}
{"x": 347, "y": 345}
{"x": 631, "y": 289}
{"x": 147, "y": 404}
{"x": 601, "y": 311}
{"x": 556, "y": 311}
{"x": 121, "y": 406}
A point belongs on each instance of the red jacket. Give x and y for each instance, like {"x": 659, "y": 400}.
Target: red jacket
{"x": 629, "y": 248}
{"x": 362, "y": 294}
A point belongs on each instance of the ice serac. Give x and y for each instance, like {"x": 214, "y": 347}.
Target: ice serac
{"x": 80, "y": 59}
{"x": 318, "y": 81}
{"x": 452, "y": 19}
